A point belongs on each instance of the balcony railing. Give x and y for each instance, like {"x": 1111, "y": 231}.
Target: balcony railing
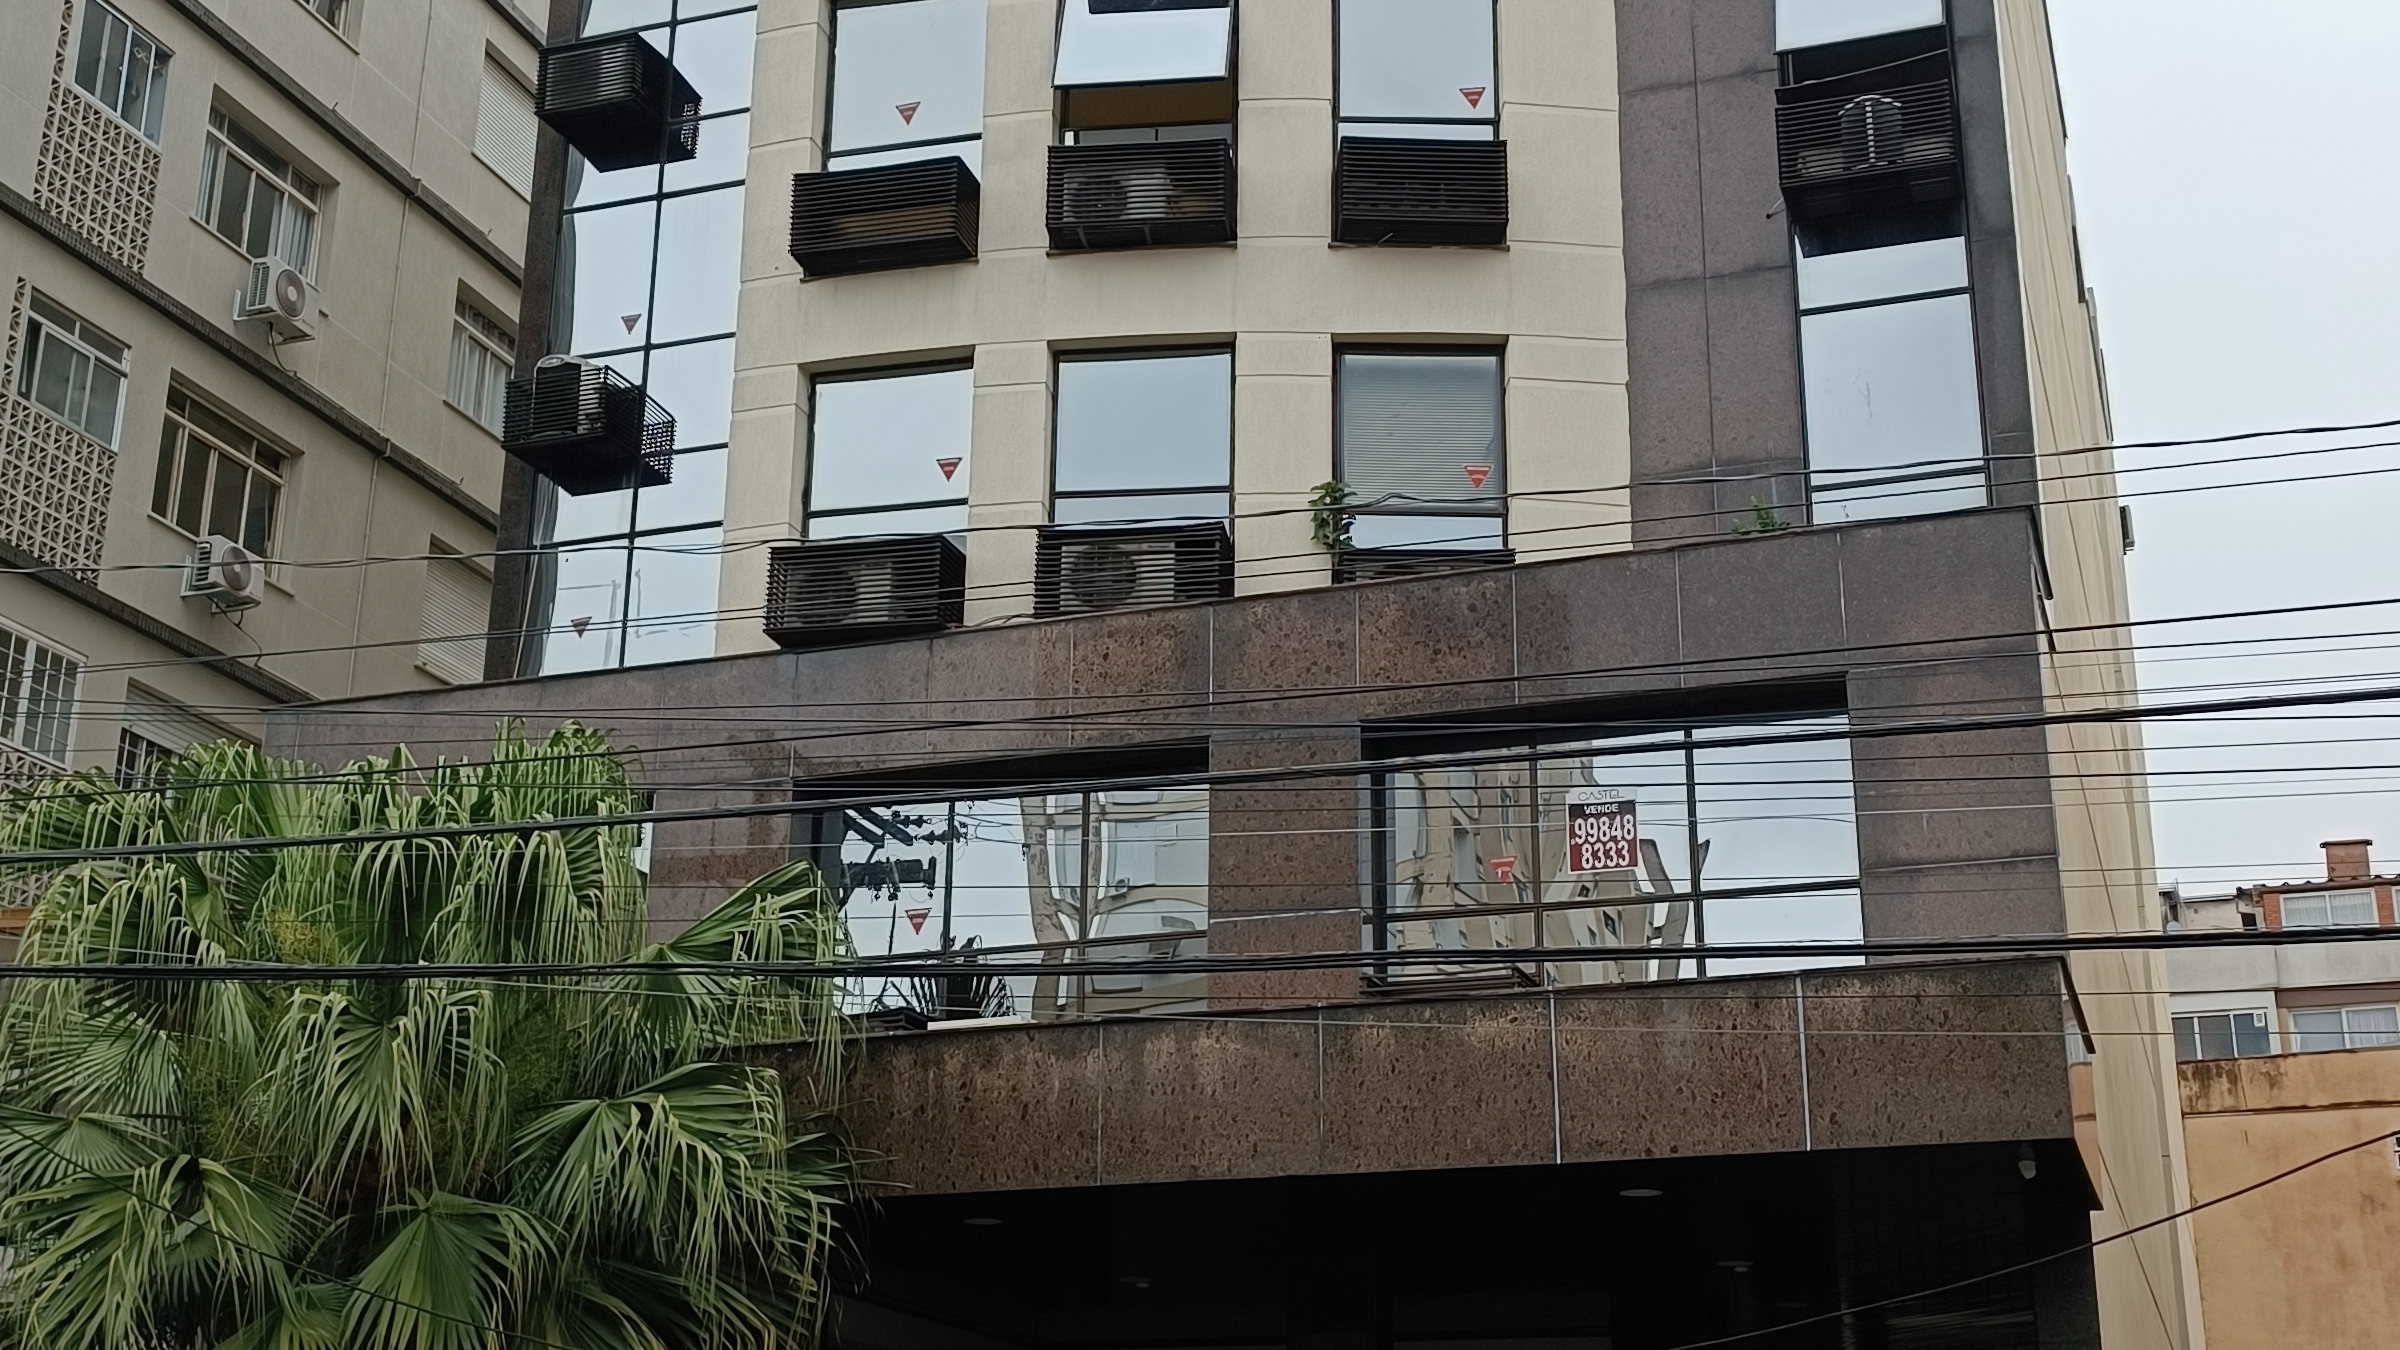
{"x": 1855, "y": 147}
{"x": 1078, "y": 570}
{"x": 1392, "y": 191}
{"x": 826, "y": 592}
{"x": 895, "y": 215}
{"x": 587, "y": 428}
{"x": 619, "y": 101}
{"x": 1146, "y": 193}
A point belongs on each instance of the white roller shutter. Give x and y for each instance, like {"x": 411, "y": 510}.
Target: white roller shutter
{"x": 458, "y": 601}
{"x": 1421, "y": 432}
{"x": 505, "y": 127}
{"x": 163, "y": 723}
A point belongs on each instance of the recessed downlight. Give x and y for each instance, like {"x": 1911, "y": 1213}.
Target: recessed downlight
{"x": 981, "y": 1221}
{"x": 1641, "y": 1192}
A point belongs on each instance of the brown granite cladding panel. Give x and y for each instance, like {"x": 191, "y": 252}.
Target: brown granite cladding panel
{"x": 1942, "y": 798}
{"x": 1307, "y": 645}
{"x": 1486, "y": 1063}
{"x": 1742, "y": 601}
{"x": 1926, "y": 587}
{"x": 695, "y": 864}
{"x": 1617, "y": 637}
{"x": 999, "y": 691}
{"x": 1455, "y": 633}
{"x": 1139, "y": 675}
{"x": 1711, "y": 337}
{"x": 1283, "y": 845}
{"x": 859, "y": 708}
{"x": 1976, "y": 899}
{"x": 1964, "y": 1052}
{"x": 1279, "y": 934}
{"x": 1669, "y": 1072}
{"x": 1217, "y": 1099}
{"x": 991, "y": 1110}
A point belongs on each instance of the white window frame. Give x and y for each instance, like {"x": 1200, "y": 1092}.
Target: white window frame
{"x": 254, "y": 464}
{"x": 81, "y": 340}
{"x": 334, "y": 14}
{"x": 21, "y": 653}
{"x": 477, "y": 337}
{"x": 2265, "y": 1016}
{"x": 2350, "y": 1034}
{"x": 154, "y": 112}
{"x": 2324, "y": 900}
{"x": 295, "y": 191}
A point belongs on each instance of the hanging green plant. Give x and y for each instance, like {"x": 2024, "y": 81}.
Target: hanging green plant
{"x": 1329, "y": 523}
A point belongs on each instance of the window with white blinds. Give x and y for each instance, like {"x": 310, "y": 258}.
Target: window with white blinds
{"x": 458, "y": 601}
{"x": 505, "y": 127}
{"x": 1420, "y": 432}
{"x": 169, "y": 724}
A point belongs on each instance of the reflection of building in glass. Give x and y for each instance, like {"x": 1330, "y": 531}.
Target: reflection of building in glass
{"x": 1113, "y": 875}
{"x": 1480, "y": 856}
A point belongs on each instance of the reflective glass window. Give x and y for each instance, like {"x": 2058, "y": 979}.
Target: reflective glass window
{"x": 1107, "y": 875}
{"x": 1144, "y": 437}
{"x": 604, "y": 268}
{"x": 671, "y": 597}
{"x": 723, "y": 155}
{"x": 1413, "y": 61}
{"x": 1142, "y": 41}
{"x": 123, "y": 68}
{"x": 906, "y": 75}
{"x": 1419, "y": 433}
{"x": 890, "y": 453}
{"x": 699, "y": 265}
{"x": 1651, "y": 842}
{"x": 714, "y": 54}
{"x": 1891, "y": 394}
{"x": 1811, "y": 23}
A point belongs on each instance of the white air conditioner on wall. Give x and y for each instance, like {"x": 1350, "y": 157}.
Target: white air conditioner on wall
{"x": 280, "y": 294}
{"x": 226, "y": 574}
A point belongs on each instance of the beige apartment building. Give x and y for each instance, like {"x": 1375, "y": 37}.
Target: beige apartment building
{"x": 262, "y": 263}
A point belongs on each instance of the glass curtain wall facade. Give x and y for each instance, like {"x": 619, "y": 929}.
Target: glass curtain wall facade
{"x": 648, "y": 276}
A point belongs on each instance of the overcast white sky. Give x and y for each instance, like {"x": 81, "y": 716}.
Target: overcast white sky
{"x": 2240, "y": 215}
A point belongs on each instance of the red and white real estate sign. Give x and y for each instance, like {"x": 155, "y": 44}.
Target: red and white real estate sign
{"x": 1602, "y": 835}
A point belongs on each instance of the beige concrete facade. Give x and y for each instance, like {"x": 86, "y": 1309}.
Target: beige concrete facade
{"x": 2306, "y": 1261}
{"x": 382, "y": 113}
{"x": 1283, "y": 298}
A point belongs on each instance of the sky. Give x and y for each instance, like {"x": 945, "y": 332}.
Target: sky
{"x": 2239, "y": 211}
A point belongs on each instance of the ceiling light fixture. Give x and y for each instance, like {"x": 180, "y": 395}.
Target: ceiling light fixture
{"x": 1641, "y": 1192}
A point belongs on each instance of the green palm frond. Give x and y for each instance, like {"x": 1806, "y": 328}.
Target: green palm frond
{"x": 405, "y": 1164}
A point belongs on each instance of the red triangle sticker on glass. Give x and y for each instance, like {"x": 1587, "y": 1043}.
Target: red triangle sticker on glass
{"x": 1474, "y": 96}
{"x": 580, "y": 624}
{"x": 948, "y": 466}
{"x": 908, "y": 113}
{"x": 630, "y": 320}
{"x": 1476, "y": 473}
{"x": 917, "y": 918}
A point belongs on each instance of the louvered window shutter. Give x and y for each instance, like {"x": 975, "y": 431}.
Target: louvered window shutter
{"x": 505, "y": 127}
{"x": 457, "y": 613}
{"x": 178, "y": 729}
{"x": 1421, "y": 433}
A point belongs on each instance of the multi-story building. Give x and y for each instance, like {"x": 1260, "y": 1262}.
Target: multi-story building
{"x": 1528, "y": 532}
{"x": 262, "y": 266}
{"x": 2290, "y": 1053}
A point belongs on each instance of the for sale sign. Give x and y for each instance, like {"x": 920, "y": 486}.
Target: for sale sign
{"x": 1601, "y": 833}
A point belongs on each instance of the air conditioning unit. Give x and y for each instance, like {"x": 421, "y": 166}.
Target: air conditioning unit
{"x": 1118, "y": 194}
{"x": 1082, "y": 570}
{"x": 278, "y": 293}
{"x": 848, "y": 590}
{"x": 227, "y": 574}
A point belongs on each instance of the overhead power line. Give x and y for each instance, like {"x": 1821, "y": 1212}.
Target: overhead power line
{"x": 939, "y": 963}
{"x": 1213, "y": 778}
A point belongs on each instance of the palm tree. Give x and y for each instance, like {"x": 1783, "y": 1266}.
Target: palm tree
{"x": 423, "y": 1163}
